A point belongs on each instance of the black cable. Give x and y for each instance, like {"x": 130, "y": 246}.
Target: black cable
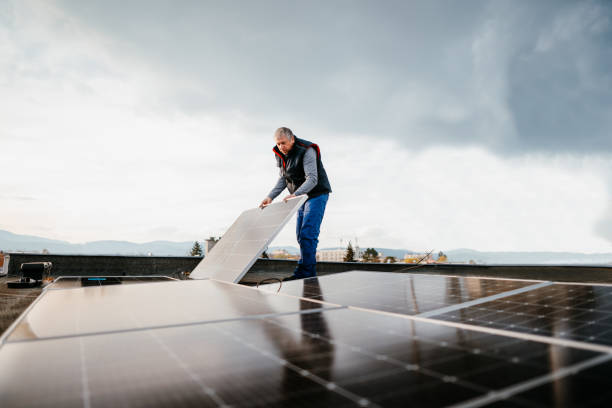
{"x": 418, "y": 265}
{"x": 280, "y": 281}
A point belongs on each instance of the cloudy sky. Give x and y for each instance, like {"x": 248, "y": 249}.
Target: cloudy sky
{"x": 442, "y": 124}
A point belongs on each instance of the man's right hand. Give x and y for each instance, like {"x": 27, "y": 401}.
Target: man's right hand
{"x": 266, "y": 201}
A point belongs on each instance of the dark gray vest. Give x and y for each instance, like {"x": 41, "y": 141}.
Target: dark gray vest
{"x": 292, "y": 168}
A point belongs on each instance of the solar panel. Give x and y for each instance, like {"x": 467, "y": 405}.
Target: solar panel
{"x": 568, "y": 311}
{"x": 101, "y": 309}
{"x": 337, "y": 357}
{"x": 412, "y": 294}
{"x": 245, "y": 240}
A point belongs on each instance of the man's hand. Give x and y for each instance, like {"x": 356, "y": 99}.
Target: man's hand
{"x": 289, "y": 197}
{"x": 266, "y": 201}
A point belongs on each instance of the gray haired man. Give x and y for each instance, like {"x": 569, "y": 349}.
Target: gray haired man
{"x": 302, "y": 172}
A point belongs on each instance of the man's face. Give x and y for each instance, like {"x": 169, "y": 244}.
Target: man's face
{"x": 283, "y": 143}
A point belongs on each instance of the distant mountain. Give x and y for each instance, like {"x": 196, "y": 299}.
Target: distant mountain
{"x": 557, "y": 258}
{"x": 10, "y": 242}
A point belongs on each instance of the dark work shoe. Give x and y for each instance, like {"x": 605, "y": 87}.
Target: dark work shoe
{"x": 290, "y": 278}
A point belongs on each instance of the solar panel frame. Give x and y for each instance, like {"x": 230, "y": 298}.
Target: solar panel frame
{"x": 251, "y": 233}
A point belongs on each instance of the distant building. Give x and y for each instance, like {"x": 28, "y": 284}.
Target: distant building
{"x": 209, "y": 244}
{"x": 333, "y": 255}
{"x": 279, "y": 254}
{"x": 414, "y": 258}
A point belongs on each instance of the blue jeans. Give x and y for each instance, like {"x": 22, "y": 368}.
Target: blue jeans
{"x": 309, "y": 219}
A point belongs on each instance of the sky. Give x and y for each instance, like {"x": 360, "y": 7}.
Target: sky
{"x": 442, "y": 124}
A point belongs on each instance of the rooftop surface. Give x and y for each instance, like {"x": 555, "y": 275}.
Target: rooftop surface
{"x": 13, "y": 302}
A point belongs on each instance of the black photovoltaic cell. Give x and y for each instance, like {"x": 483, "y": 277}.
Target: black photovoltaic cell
{"x": 410, "y": 294}
{"x": 576, "y": 312}
{"x": 591, "y": 388}
{"x": 335, "y": 358}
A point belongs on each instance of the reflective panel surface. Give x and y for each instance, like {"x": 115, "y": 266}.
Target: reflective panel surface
{"x": 577, "y": 312}
{"x": 245, "y": 240}
{"x": 396, "y": 292}
{"x": 98, "y": 309}
{"x": 333, "y": 358}
{"x": 591, "y": 388}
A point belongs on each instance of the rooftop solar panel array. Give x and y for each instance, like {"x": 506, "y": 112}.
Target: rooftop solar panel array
{"x": 213, "y": 343}
{"x": 311, "y": 357}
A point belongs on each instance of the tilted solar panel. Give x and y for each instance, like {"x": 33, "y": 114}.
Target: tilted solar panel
{"x": 245, "y": 240}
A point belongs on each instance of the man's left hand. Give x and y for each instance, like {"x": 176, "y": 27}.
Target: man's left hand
{"x": 289, "y": 197}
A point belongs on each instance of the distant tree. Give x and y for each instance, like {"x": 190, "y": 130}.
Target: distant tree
{"x": 196, "y": 250}
{"x": 350, "y": 253}
{"x": 390, "y": 259}
{"x": 442, "y": 257}
{"x": 370, "y": 255}
{"x": 264, "y": 255}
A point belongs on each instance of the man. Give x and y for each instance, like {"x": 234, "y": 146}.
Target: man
{"x": 302, "y": 172}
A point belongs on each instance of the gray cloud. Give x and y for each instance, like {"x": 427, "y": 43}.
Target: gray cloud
{"x": 95, "y": 87}
{"x": 513, "y": 76}
{"x": 604, "y": 226}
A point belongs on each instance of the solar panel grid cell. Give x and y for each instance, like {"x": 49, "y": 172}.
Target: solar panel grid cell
{"x": 593, "y": 384}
